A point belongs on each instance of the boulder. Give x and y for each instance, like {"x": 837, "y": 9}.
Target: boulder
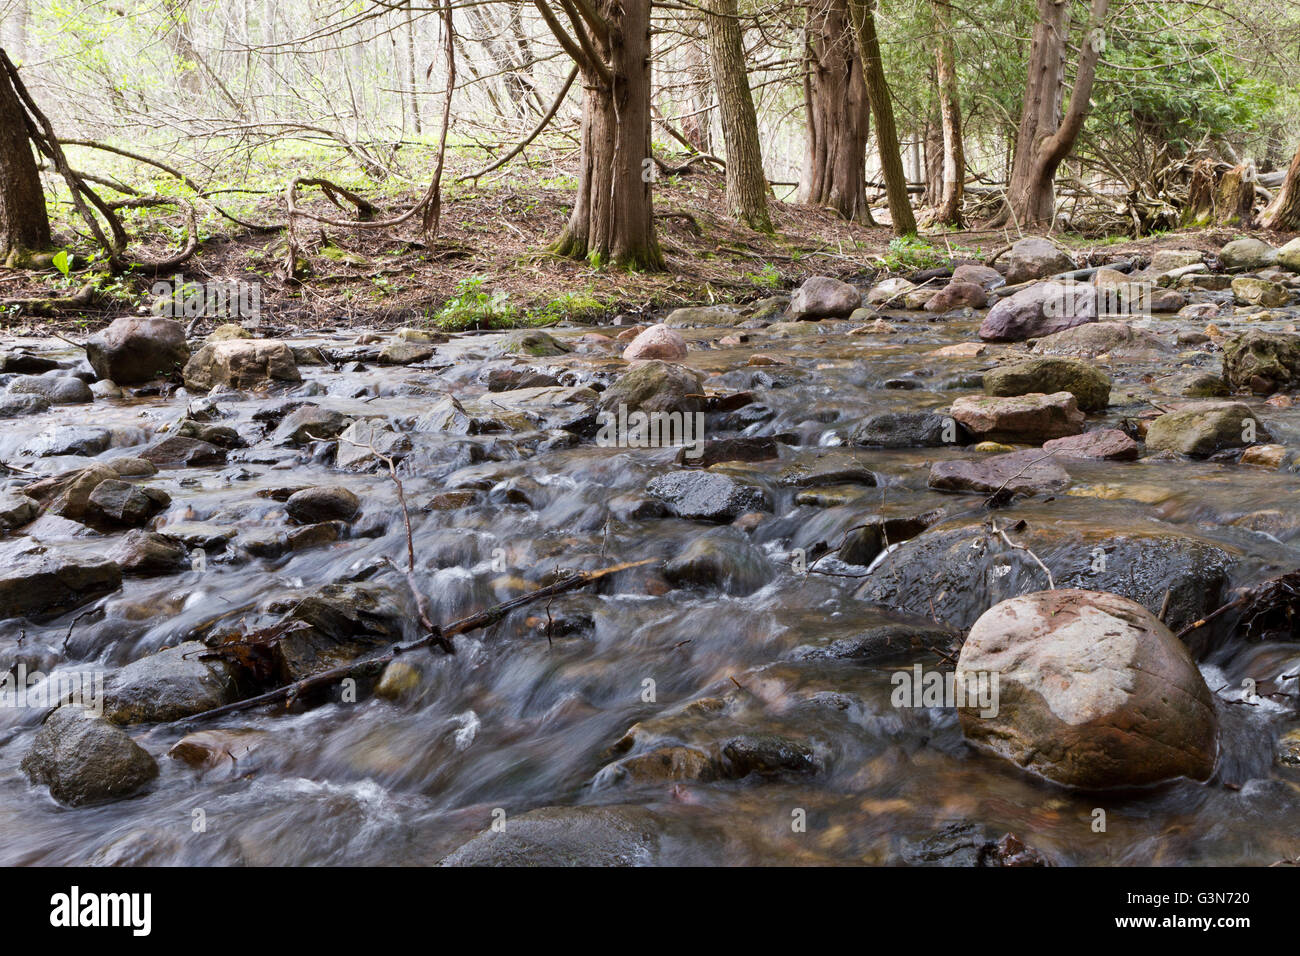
{"x": 360, "y": 441}
{"x": 1088, "y": 384}
{"x": 241, "y": 363}
{"x": 1288, "y": 257}
{"x": 405, "y": 353}
{"x": 177, "y": 682}
{"x": 1034, "y": 417}
{"x": 48, "y": 584}
{"x": 1249, "y": 290}
{"x": 1015, "y": 473}
{"x": 310, "y": 423}
{"x": 957, "y": 570}
{"x": 656, "y": 342}
{"x": 16, "y": 406}
{"x": 889, "y": 293}
{"x": 180, "y": 452}
{"x": 1247, "y": 253}
{"x": 706, "y": 316}
{"x": 55, "y": 388}
{"x": 135, "y": 349}
{"x": 957, "y": 295}
{"x": 1167, "y": 260}
{"x": 908, "y": 430}
{"x": 655, "y": 386}
{"x": 16, "y": 510}
{"x": 1039, "y": 310}
{"x": 68, "y": 494}
{"x": 568, "y": 836}
{"x": 705, "y": 496}
{"x": 1093, "y": 692}
{"x": 821, "y": 297}
{"x": 1202, "y": 428}
{"x": 986, "y": 277}
{"x": 532, "y": 342}
{"x": 122, "y": 503}
{"x": 1116, "y": 339}
{"x": 1103, "y": 444}
{"x": 84, "y": 759}
{"x": 147, "y": 552}
{"x": 339, "y": 622}
{"x": 1264, "y": 362}
{"x": 1036, "y": 258}
{"x": 324, "y": 503}
{"x": 68, "y": 440}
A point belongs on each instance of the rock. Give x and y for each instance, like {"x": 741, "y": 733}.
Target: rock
{"x": 55, "y": 389}
{"x": 654, "y": 386}
{"x": 1088, "y": 384}
{"x": 956, "y": 571}
{"x": 710, "y": 316}
{"x": 16, "y": 510}
{"x": 310, "y": 423}
{"x": 122, "y": 503}
{"x": 147, "y": 552}
{"x": 68, "y": 440}
{"x": 241, "y": 363}
{"x": 1039, "y": 310}
{"x": 48, "y": 584}
{"x": 1265, "y": 456}
{"x": 1035, "y": 258}
{"x": 398, "y": 680}
{"x": 1033, "y": 417}
{"x": 1206, "y": 385}
{"x": 1167, "y": 260}
{"x": 135, "y": 349}
{"x": 171, "y": 684}
{"x": 1289, "y": 255}
{"x": 722, "y": 559}
{"x": 68, "y": 494}
{"x": 759, "y": 448}
{"x": 1093, "y": 692}
{"x": 705, "y": 496}
{"x": 1247, "y": 254}
{"x": 27, "y": 363}
{"x": 986, "y": 277}
{"x": 532, "y": 342}
{"x": 223, "y": 436}
{"x": 16, "y": 406}
{"x": 1248, "y": 290}
{"x": 1017, "y": 473}
{"x": 908, "y": 430}
{"x": 181, "y": 452}
{"x": 960, "y": 350}
{"x": 1264, "y": 362}
{"x": 84, "y": 759}
{"x": 567, "y": 836}
{"x": 343, "y": 621}
{"x": 821, "y": 297}
{"x": 358, "y": 439}
{"x": 325, "y": 503}
{"x": 405, "y": 353}
{"x": 228, "y": 331}
{"x": 889, "y": 293}
{"x": 509, "y": 379}
{"x": 1288, "y": 744}
{"x": 1202, "y": 428}
{"x": 1104, "y": 444}
{"x": 917, "y": 298}
{"x": 957, "y": 295}
{"x": 656, "y": 342}
{"x": 1167, "y": 300}
{"x": 1116, "y": 339}
{"x": 206, "y": 535}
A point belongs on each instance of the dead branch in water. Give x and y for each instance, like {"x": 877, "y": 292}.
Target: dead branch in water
{"x": 373, "y": 665}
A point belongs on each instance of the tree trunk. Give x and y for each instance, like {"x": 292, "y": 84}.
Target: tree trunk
{"x": 24, "y": 225}
{"x": 612, "y": 221}
{"x": 696, "y": 125}
{"x": 836, "y": 115}
{"x": 891, "y": 160}
{"x": 954, "y": 158}
{"x": 1283, "y": 213}
{"x": 746, "y": 181}
{"x": 410, "y": 70}
{"x": 1044, "y": 139}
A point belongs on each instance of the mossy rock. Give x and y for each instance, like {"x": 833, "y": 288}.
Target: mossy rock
{"x": 1089, "y": 385}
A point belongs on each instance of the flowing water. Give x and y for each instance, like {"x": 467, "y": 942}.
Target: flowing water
{"x": 535, "y": 711}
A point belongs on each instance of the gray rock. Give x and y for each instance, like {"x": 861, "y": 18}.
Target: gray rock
{"x": 821, "y": 297}
{"x": 704, "y": 496}
{"x": 1263, "y": 362}
{"x": 1088, "y": 384}
{"x": 568, "y": 836}
{"x": 51, "y": 583}
{"x": 55, "y": 389}
{"x": 16, "y": 406}
{"x": 147, "y": 552}
{"x": 325, "y": 503}
{"x": 722, "y": 559}
{"x": 136, "y": 349}
{"x": 1036, "y": 258}
{"x": 171, "y": 684}
{"x": 1042, "y": 309}
{"x": 1203, "y": 428}
{"x": 654, "y": 386}
{"x": 84, "y": 759}
{"x": 69, "y": 440}
{"x": 1247, "y": 253}
{"x": 124, "y": 503}
{"x": 181, "y": 452}
{"x": 1014, "y": 473}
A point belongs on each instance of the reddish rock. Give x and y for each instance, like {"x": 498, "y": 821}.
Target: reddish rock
{"x": 1106, "y": 444}
{"x": 957, "y": 295}
{"x": 656, "y": 342}
{"x": 1032, "y": 417}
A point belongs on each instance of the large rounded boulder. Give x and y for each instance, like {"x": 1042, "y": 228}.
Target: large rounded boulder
{"x": 1092, "y": 692}
{"x": 136, "y": 349}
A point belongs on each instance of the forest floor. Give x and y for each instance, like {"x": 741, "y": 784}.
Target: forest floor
{"x": 489, "y": 266}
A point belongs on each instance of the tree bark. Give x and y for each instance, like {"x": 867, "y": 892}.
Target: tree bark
{"x": 746, "y": 181}
{"x": 696, "y": 124}
{"x": 612, "y": 221}
{"x": 954, "y": 159}
{"x": 836, "y": 113}
{"x": 24, "y": 224}
{"x": 1283, "y": 213}
{"x": 891, "y": 160}
{"x": 1045, "y": 138}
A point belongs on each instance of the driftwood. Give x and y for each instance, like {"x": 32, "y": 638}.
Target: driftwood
{"x": 1271, "y": 607}
{"x": 439, "y": 636}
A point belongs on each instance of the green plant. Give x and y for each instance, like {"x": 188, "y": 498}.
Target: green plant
{"x": 910, "y": 253}
{"x": 62, "y": 262}
{"x": 473, "y": 308}
{"x": 766, "y": 278}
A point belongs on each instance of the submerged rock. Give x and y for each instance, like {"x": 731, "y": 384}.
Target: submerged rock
{"x": 1116, "y": 339}
{"x": 568, "y": 836}
{"x": 1093, "y": 692}
{"x": 722, "y": 559}
{"x": 84, "y": 759}
{"x": 173, "y": 683}
{"x": 705, "y": 496}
